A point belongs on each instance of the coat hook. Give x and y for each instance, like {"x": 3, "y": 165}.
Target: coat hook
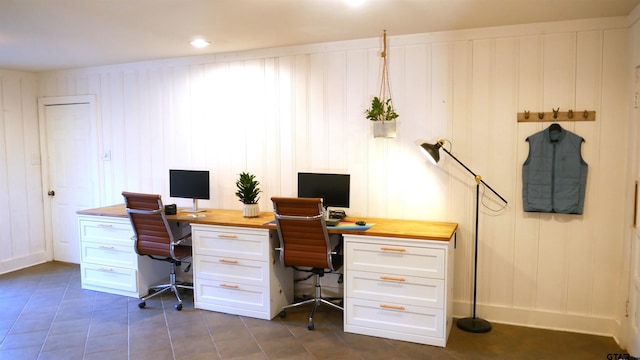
{"x": 570, "y": 114}
{"x": 526, "y": 114}
{"x": 540, "y": 115}
{"x": 555, "y": 112}
{"x": 586, "y": 114}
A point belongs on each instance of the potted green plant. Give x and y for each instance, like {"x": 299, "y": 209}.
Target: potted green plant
{"x": 381, "y": 110}
{"x": 383, "y": 115}
{"x": 248, "y": 193}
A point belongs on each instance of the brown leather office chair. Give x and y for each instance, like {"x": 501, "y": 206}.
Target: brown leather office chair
{"x": 153, "y": 238}
{"x": 305, "y": 243}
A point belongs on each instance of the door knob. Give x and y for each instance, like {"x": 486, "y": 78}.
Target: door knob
{"x": 51, "y": 193}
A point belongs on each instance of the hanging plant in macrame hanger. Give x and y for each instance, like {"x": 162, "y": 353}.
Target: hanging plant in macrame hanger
{"x": 381, "y": 111}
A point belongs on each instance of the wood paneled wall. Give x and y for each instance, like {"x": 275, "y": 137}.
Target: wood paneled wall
{"x": 279, "y": 111}
{"x": 22, "y": 234}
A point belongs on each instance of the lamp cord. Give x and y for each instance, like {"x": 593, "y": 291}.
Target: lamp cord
{"x": 478, "y": 180}
{"x": 487, "y": 206}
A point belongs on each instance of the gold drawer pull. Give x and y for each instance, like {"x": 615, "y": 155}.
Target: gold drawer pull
{"x": 105, "y": 225}
{"x": 106, "y": 247}
{"x": 391, "y": 278}
{"x": 106, "y": 269}
{"x": 392, "y": 307}
{"x": 229, "y": 286}
{"x": 393, "y": 249}
{"x": 228, "y": 236}
{"x": 225, "y": 261}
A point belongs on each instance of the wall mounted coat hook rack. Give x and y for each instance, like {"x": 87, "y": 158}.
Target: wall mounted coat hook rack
{"x": 556, "y": 115}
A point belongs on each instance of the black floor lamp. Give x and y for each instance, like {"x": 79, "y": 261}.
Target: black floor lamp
{"x": 472, "y": 324}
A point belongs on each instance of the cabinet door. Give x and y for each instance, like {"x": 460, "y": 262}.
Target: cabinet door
{"x": 106, "y": 230}
{"x": 405, "y": 289}
{"x": 243, "y": 271}
{"x": 109, "y": 254}
{"x": 233, "y": 298}
{"x": 388, "y": 317}
{"x": 231, "y": 242}
{"x": 114, "y": 278}
{"x": 396, "y": 259}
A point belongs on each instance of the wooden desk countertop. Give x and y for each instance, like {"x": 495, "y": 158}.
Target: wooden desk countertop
{"x": 412, "y": 229}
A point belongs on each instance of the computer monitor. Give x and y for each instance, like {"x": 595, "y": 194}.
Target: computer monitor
{"x": 189, "y": 184}
{"x": 334, "y": 189}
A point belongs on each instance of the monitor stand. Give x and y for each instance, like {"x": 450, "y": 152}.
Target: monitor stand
{"x": 194, "y": 208}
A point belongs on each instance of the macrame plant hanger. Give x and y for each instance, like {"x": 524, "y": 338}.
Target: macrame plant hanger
{"x": 385, "y": 126}
{"x": 385, "y": 86}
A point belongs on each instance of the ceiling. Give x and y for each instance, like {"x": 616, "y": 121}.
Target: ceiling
{"x": 41, "y": 35}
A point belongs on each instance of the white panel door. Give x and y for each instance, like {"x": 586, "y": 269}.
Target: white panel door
{"x": 633, "y": 346}
{"x": 68, "y": 130}
{"x": 633, "y": 335}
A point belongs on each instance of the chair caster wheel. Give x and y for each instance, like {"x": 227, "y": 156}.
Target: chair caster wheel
{"x": 283, "y": 314}
{"x": 310, "y": 326}
{"x": 142, "y": 304}
{"x": 178, "y": 306}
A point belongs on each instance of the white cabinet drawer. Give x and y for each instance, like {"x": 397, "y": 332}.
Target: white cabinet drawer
{"x": 248, "y": 272}
{"x": 395, "y": 259}
{"x": 409, "y": 290}
{"x": 378, "y": 318}
{"x": 231, "y": 242}
{"x": 397, "y": 288}
{"x": 107, "y": 230}
{"x": 111, "y": 277}
{"x": 109, "y": 254}
{"x": 235, "y": 298}
{"x": 235, "y": 271}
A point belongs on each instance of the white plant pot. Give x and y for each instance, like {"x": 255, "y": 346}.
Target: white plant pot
{"x": 250, "y": 210}
{"x": 385, "y": 129}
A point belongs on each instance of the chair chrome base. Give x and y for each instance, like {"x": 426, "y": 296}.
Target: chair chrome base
{"x": 173, "y": 285}
{"x": 317, "y": 301}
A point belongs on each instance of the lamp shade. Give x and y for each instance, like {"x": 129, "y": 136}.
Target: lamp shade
{"x": 432, "y": 151}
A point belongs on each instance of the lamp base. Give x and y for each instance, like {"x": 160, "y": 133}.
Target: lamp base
{"x": 474, "y": 325}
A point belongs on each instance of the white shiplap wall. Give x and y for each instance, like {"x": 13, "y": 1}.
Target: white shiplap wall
{"x": 276, "y": 112}
{"x": 22, "y": 237}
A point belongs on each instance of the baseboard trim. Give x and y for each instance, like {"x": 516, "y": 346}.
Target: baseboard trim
{"x": 7, "y": 266}
{"x": 579, "y": 323}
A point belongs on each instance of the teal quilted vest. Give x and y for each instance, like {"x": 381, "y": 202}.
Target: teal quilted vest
{"x": 554, "y": 176}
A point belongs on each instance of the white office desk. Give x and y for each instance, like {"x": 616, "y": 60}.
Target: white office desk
{"x": 398, "y": 275}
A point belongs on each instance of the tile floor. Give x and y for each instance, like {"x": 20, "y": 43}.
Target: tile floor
{"x": 46, "y": 315}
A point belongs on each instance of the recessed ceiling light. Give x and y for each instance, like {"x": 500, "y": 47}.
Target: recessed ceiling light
{"x": 200, "y": 43}
{"x": 354, "y": 3}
